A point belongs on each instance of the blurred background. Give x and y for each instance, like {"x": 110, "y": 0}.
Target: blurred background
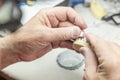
{"x": 101, "y": 16}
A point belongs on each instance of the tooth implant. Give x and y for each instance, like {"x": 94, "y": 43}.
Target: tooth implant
{"x": 80, "y": 42}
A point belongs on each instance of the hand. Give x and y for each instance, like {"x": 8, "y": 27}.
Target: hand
{"x": 50, "y": 28}
{"x": 103, "y": 61}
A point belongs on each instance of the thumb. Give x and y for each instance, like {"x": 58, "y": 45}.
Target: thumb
{"x": 64, "y": 33}
{"x": 90, "y": 63}
{"x": 98, "y": 45}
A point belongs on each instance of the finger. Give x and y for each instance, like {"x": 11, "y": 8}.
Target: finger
{"x": 66, "y": 44}
{"x": 65, "y": 24}
{"x": 99, "y": 46}
{"x": 59, "y": 34}
{"x": 62, "y": 44}
{"x": 52, "y": 18}
{"x": 76, "y": 19}
{"x": 67, "y": 14}
{"x": 90, "y": 63}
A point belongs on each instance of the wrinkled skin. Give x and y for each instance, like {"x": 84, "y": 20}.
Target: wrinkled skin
{"x": 102, "y": 60}
{"x": 50, "y": 28}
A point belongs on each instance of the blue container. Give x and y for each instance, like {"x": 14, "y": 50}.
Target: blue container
{"x": 22, "y": 3}
{"x": 72, "y": 3}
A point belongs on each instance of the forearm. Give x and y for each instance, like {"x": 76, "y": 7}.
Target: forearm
{"x": 7, "y": 57}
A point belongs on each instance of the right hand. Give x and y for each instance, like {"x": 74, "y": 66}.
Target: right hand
{"x": 102, "y": 60}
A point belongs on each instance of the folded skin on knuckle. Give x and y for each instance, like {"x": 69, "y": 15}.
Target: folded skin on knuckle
{"x": 44, "y": 11}
{"x": 76, "y": 20}
{"x": 50, "y": 14}
{"x": 52, "y": 19}
{"x": 108, "y": 67}
{"x": 71, "y": 14}
{"x": 71, "y": 18}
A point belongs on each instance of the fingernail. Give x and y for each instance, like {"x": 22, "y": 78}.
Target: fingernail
{"x": 76, "y": 32}
{"x": 86, "y": 36}
{"x": 82, "y": 34}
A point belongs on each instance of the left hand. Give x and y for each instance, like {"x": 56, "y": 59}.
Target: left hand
{"x": 50, "y": 28}
{"x": 102, "y": 59}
